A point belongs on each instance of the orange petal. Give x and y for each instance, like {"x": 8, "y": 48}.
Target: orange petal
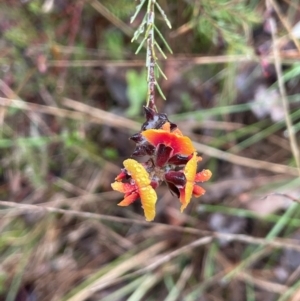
{"x": 166, "y": 127}
{"x": 123, "y": 187}
{"x": 198, "y": 191}
{"x": 129, "y": 199}
{"x": 203, "y": 176}
{"x": 148, "y": 199}
{"x": 138, "y": 172}
{"x": 181, "y": 144}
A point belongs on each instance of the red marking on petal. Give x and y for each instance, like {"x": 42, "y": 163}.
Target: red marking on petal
{"x": 180, "y": 144}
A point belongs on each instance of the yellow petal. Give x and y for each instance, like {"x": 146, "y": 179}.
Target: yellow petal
{"x": 137, "y": 172}
{"x": 191, "y": 168}
{"x": 147, "y": 193}
{"x": 118, "y": 186}
{"x": 189, "y": 186}
{"x": 148, "y": 199}
{"x": 190, "y": 173}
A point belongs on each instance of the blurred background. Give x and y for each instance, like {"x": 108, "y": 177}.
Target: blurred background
{"x": 71, "y": 93}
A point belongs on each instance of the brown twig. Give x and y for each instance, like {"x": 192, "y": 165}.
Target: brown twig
{"x": 275, "y": 243}
{"x": 285, "y": 23}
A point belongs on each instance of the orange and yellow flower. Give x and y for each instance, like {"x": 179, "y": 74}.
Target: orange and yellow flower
{"x": 172, "y": 159}
{"x": 191, "y": 178}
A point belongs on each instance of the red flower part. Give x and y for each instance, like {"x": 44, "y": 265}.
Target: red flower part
{"x": 180, "y": 159}
{"x": 163, "y": 153}
{"x": 176, "y": 177}
{"x": 122, "y": 175}
{"x": 140, "y": 186}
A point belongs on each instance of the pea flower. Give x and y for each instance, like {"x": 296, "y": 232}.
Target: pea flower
{"x": 139, "y": 186}
{"x": 184, "y": 182}
{"x": 172, "y": 159}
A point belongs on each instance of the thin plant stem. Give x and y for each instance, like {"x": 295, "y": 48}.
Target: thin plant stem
{"x": 150, "y": 61}
{"x": 151, "y": 58}
{"x": 285, "y": 103}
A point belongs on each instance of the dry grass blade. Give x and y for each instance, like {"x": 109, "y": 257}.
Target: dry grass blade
{"x": 275, "y": 243}
{"x": 86, "y": 113}
{"x": 263, "y": 284}
{"x": 180, "y": 284}
{"x": 110, "y": 17}
{"x": 125, "y": 266}
{"x": 199, "y": 242}
{"x": 239, "y": 160}
{"x": 285, "y": 103}
{"x": 149, "y": 282}
{"x": 286, "y": 24}
{"x": 107, "y": 117}
{"x": 203, "y": 60}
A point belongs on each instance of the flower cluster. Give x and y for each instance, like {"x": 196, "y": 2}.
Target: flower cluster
{"x": 172, "y": 159}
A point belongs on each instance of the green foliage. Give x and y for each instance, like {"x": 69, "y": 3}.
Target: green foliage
{"x": 110, "y": 153}
{"x": 35, "y": 6}
{"x": 119, "y": 8}
{"x": 114, "y": 43}
{"x": 186, "y": 101}
{"x": 20, "y": 31}
{"x": 2, "y": 282}
{"x": 136, "y": 91}
{"x": 292, "y": 73}
{"x": 228, "y": 20}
